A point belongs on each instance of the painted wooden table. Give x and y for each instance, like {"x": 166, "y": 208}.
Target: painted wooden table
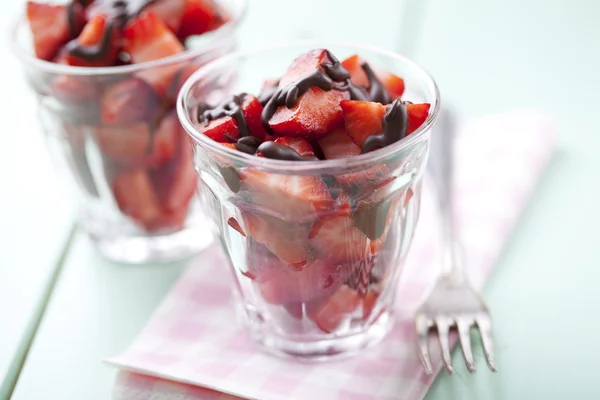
{"x": 486, "y": 56}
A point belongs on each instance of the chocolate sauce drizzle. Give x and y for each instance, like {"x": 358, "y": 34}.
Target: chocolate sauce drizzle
{"x": 377, "y": 91}
{"x": 75, "y": 19}
{"x": 246, "y": 144}
{"x": 94, "y": 52}
{"x": 228, "y": 108}
{"x": 324, "y": 78}
{"x": 282, "y": 152}
{"x": 394, "y": 124}
{"x": 266, "y": 94}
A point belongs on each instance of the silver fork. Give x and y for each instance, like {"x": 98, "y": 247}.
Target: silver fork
{"x": 452, "y": 303}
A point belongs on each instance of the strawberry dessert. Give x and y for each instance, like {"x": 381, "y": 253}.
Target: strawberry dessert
{"x": 319, "y": 245}
{"x": 125, "y": 111}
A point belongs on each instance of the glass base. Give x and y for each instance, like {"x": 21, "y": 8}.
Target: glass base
{"x": 327, "y": 348}
{"x": 166, "y": 248}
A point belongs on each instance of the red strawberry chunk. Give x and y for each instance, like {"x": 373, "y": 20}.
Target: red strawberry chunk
{"x": 219, "y": 128}
{"x": 317, "y": 280}
{"x": 127, "y": 145}
{"x": 339, "y": 307}
{"x": 129, "y": 101}
{"x": 364, "y": 118}
{"x": 338, "y": 239}
{"x": 135, "y": 196}
{"x": 176, "y": 181}
{"x": 261, "y": 262}
{"x": 50, "y": 28}
{"x": 147, "y": 38}
{"x": 169, "y": 11}
{"x": 393, "y": 83}
{"x": 301, "y": 145}
{"x": 199, "y": 16}
{"x": 338, "y": 144}
{"x": 317, "y": 111}
{"x": 290, "y": 197}
{"x": 73, "y": 88}
{"x": 288, "y": 241}
{"x": 166, "y": 140}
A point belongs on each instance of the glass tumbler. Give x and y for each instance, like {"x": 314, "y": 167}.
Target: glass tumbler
{"x": 114, "y": 136}
{"x": 314, "y": 279}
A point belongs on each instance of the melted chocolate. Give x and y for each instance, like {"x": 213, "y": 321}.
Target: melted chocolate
{"x": 75, "y": 19}
{"x": 371, "y": 217}
{"x": 231, "y": 107}
{"x": 94, "y": 52}
{"x": 394, "y": 124}
{"x": 324, "y": 78}
{"x": 246, "y": 144}
{"x": 282, "y": 152}
{"x": 377, "y": 90}
{"x": 231, "y": 178}
{"x": 266, "y": 94}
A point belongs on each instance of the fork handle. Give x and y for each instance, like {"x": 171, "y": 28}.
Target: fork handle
{"x": 442, "y": 168}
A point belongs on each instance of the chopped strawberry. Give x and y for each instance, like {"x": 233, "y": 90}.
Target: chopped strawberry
{"x": 339, "y": 307}
{"x": 338, "y": 144}
{"x": 290, "y": 197}
{"x": 129, "y": 101}
{"x": 147, "y": 38}
{"x": 393, "y": 83}
{"x": 75, "y": 89}
{"x": 288, "y": 241}
{"x": 199, "y": 16}
{"x": 97, "y": 34}
{"x": 166, "y": 139}
{"x": 176, "y": 181}
{"x": 169, "y": 11}
{"x": 364, "y": 118}
{"x": 317, "y": 111}
{"x": 135, "y": 196}
{"x": 368, "y": 303}
{"x": 227, "y": 125}
{"x": 127, "y": 145}
{"x": 336, "y": 238}
{"x": 317, "y": 280}
{"x": 262, "y": 263}
{"x": 167, "y": 221}
{"x": 49, "y": 26}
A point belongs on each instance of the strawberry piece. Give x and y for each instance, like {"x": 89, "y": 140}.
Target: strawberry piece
{"x": 233, "y": 223}
{"x": 97, "y": 35}
{"x": 75, "y": 89}
{"x": 166, "y": 139}
{"x": 317, "y": 280}
{"x": 135, "y": 196}
{"x": 169, "y": 11}
{"x": 300, "y": 145}
{"x": 288, "y": 241}
{"x": 338, "y": 144}
{"x": 127, "y": 145}
{"x": 337, "y": 239}
{"x": 368, "y": 303}
{"x": 393, "y": 83}
{"x": 129, "y": 101}
{"x": 317, "y": 111}
{"x": 364, "y": 118}
{"x": 49, "y": 26}
{"x": 290, "y": 197}
{"x": 339, "y": 307}
{"x": 176, "y": 181}
{"x": 220, "y": 127}
{"x": 199, "y": 16}
{"x": 261, "y": 263}
{"x": 167, "y": 221}
{"x": 147, "y": 38}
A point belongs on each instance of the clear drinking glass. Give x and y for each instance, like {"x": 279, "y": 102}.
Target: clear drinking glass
{"x": 132, "y": 177}
{"x": 299, "y": 298}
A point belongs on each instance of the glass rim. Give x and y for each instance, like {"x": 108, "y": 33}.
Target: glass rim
{"x": 273, "y": 164}
{"x": 48, "y": 66}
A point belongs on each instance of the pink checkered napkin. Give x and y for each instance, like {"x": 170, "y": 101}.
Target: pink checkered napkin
{"x": 194, "y": 339}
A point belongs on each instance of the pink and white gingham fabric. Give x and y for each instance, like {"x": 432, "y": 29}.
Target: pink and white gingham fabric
{"x": 194, "y": 338}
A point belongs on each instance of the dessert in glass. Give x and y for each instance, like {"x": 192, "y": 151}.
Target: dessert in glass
{"x": 311, "y": 168}
{"x": 106, "y": 74}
